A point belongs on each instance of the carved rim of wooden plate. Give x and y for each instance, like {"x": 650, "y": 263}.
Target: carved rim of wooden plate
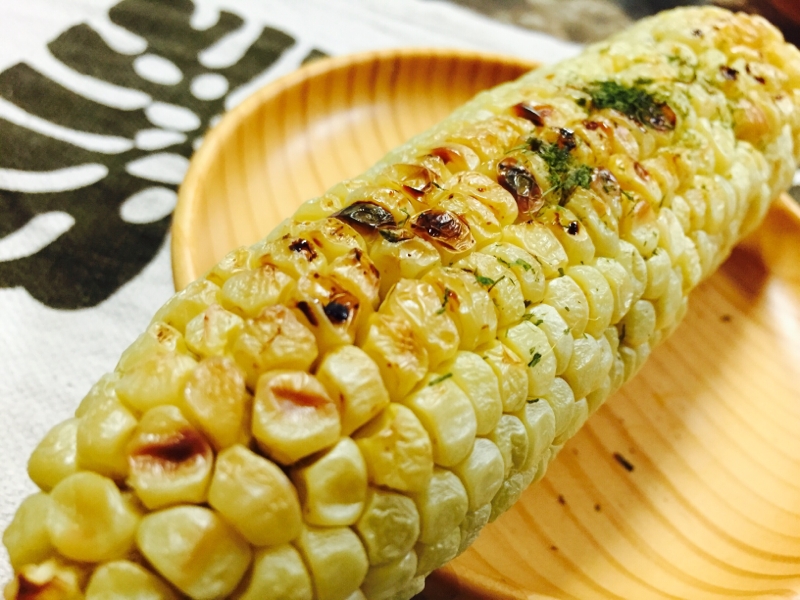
{"x": 685, "y": 484}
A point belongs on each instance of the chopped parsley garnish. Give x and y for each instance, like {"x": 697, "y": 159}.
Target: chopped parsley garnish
{"x": 484, "y": 281}
{"x": 445, "y": 299}
{"x": 533, "y": 400}
{"x": 531, "y": 317}
{"x": 560, "y": 271}
{"x": 633, "y": 101}
{"x": 440, "y": 379}
{"x": 565, "y": 174}
{"x": 521, "y": 263}
{"x": 535, "y": 359}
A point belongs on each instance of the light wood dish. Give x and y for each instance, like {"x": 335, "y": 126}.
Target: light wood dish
{"x": 710, "y": 427}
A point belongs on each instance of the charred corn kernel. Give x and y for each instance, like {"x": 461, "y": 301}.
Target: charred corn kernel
{"x": 383, "y": 581}
{"x": 195, "y": 550}
{"x": 217, "y": 402}
{"x": 531, "y": 344}
{"x": 333, "y": 487}
{"x": 353, "y": 380}
{"x": 442, "y": 505}
{"x": 399, "y": 353}
{"x": 273, "y": 340}
{"x": 170, "y": 461}
{"x": 277, "y": 574}
{"x": 26, "y": 538}
{"x": 389, "y": 526}
{"x": 447, "y": 415}
{"x": 187, "y": 304}
{"x": 88, "y": 520}
{"x": 211, "y": 332}
{"x": 336, "y": 559}
{"x": 102, "y": 437}
{"x": 481, "y": 472}
{"x": 547, "y": 318}
{"x": 468, "y": 301}
{"x": 511, "y": 372}
{"x": 397, "y": 450}
{"x": 293, "y": 416}
{"x": 477, "y": 380}
{"x": 128, "y": 581}
{"x": 51, "y": 580}
{"x": 55, "y": 458}
{"x": 153, "y": 370}
{"x": 255, "y": 496}
{"x": 432, "y": 556}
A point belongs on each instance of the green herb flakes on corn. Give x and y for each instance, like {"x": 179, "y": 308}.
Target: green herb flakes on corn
{"x": 339, "y": 409}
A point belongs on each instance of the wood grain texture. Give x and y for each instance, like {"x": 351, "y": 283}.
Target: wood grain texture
{"x": 686, "y": 484}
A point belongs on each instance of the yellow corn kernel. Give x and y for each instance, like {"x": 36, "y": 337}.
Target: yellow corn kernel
{"x": 635, "y": 265}
{"x": 570, "y": 233}
{"x": 482, "y": 222}
{"x": 399, "y": 258}
{"x": 500, "y": 282}
{"x": 195, "y": 550}
{"x": 336, "y": 559}
{"x": 619, "y": 282}
{"x": 55, "y": 457}
{"x": 561, "y": 398}
{"x": 273, "y": 340}
{"x": 586, "y": 370}
{"x": 509, "y": 493}
{"x": 547, "y": 318}
{"x": 639, "y": 324}
{"x": 486, "y": 191}
{"x": 211, "y": 332}
{"x": 187, "y": 304}
{"x": 216, "y": 401}
{"x": 389, "y": 526}
{"x": 397, "y": 450}
{"x": 525, "y": 267}
{"x": 447, "y": 415}
{"x": 102, "y": 438}
{"x": 536, "y": 239}
{"x": 248, "y": 292}
{"x": 293, "y": 416}
{"x": 383, "y": 581}
{"x": 170, "y": 461}
{"x": 127, "y": 581}
{"x": 432, "y": 556}
{"x": 154, "y": 369}
{"x": 511, "y": 372}
{"x": 659, "y": 267}
{"x": 481, "y": 472}
{"x": 399, "y": 353}
{"x": 26, "y": 537}
{"x": 51, "y": 580}
{"x": 472, "y": 524}
{"x": 330, "y": 311}
{"x": 477, "y": 380}
{"x": 540, "y": 424}
{"x": 292, "y": 255}
{"x": 511, "y": 438}
{"x": 332, "y": 237}
{"x": 468, "y": 304}
{"x": 277, "y": 574}
{"x": 669, "y": 303}
{"x": 232, "y": 263}
{"x": 595, "y": 216}
{"x": 531, "y": 344}
{"x": 353, "y": 380}
{"x": 599, "y": 297}
{"x": 333, "y": 488}
{"x": 88, "y": 519}
{"x": 566, "y": 296}
{"x": 442, "y": 505}
{"x": 418, "y": 304}
{"x": 255, "y": 496}
{"x": 99, "y": 393}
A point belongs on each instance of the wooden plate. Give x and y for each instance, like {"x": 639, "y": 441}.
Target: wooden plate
{"x": 685, "y": 485}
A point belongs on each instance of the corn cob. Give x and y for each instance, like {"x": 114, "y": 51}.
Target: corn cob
{"x": 339, "y": 409}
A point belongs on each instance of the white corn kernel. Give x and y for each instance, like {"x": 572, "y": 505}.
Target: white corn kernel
{"x": 336, "y": 559}
{"x": 55, "y": 457}
{"x": 531, "y": 344}
{"x": 124, "y": 580}
{"x": 389, "y": 526}
{"x": 354, "y": 381}
{"x": 561, "y": 399}
{"x": 293, "y": 416}
{"x": 248, "y": 292}
{"x": 477, "y": 380}
{"x": 217, "y": 402}
{"x": 639, "y": 324}
{"x": 170, "y": 461}
{"x": 568, "y": 299}
{"x": 195, "y": 550}
{"x": 442, "y": 505}
{"x": 599, "y": 297}
{"x": 383, "y": 581}
{"x": 511, "y": 438}
{"x": 659, "y": 266}
{"x": 619, "y": 282}
{"x": 585, "y": 371}
{"x": 570, "y": 233}
{"x": 481, "y": 472}
{"x": 88, "y": 520}
{"x": 501, "y": 284}
{"x": 402, "y": 259}
{"x": 511, "y": 372}
{"x": 526, "y": 268}
{"x": 447, "y": 415}
{"x": 277, "y": 574}
{"x": 294, "y": 256}
{"x": 432, "y": 556}
{"x": 508, "y": 494}
{"x": 397, "y": 450}
{"x": 333, "y": 488}
{"x": 211, "y": 332}
{"x": 187, "y": 304}
{"x": 540, "y": 423}
{"x": 547, "y": 318}
{"x": 536, "y": 239}
{"x": 255, "y": 496}
{"x": 472, "y": 524}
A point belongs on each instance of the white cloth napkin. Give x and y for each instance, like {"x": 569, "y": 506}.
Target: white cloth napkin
{"x": 49, "y": 357}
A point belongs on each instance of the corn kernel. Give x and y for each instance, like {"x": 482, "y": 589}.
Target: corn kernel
{"x": 481, "y": 472}
{"x": 26, "y": 537}
{"x": 277, "y": 574}
{"x": 383, "y": 581}
{"x": 389, "y": 526}
{"x": 102, "y": 437}
{"x": 511, "y": 438}
{"x": 248, "y": 292}
{"x": 477, "y": 380}
{"x": 511, "y": 372}
{"x": 211, "y": 332}
{"x": 336, "y": 559}
{"x": 442, "y": 505}
{"x": 187, "y": 304}
{"x": 531, "y": 344}
{"x": 55, "y": 457}
{"x": 127, "y": 581}
{"x": 432, "y": 556}
{"x": 472, "y": 524}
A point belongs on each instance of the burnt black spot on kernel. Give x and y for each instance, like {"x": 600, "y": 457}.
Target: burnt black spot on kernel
{"x": 302, "y": 246}
{"x": 366, "y": 215}
{"x": 536, "y": 114}
{"x": 728, "y": 73}
{"x": 566, "y": 139}
{"x": 521, "y": 183}
{"x": 337, "y": 313}
{"x": 170, "y": 452}
{"x": 445, "y": 228}
{"x": 304, "y": 308}
{"x": 573, "y": 228}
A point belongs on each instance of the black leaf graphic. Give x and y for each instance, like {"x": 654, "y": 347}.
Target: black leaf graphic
{"x": 102, "y": 250}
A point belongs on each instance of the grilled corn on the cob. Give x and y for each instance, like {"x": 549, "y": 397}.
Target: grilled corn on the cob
{"x": 337, "y": 410}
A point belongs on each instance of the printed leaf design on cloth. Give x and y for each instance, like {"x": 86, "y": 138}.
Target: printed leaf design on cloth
{"x": 115, "y": 171}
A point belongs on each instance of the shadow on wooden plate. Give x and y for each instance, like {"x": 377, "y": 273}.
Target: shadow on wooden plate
{"x": 686, "y": 484}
